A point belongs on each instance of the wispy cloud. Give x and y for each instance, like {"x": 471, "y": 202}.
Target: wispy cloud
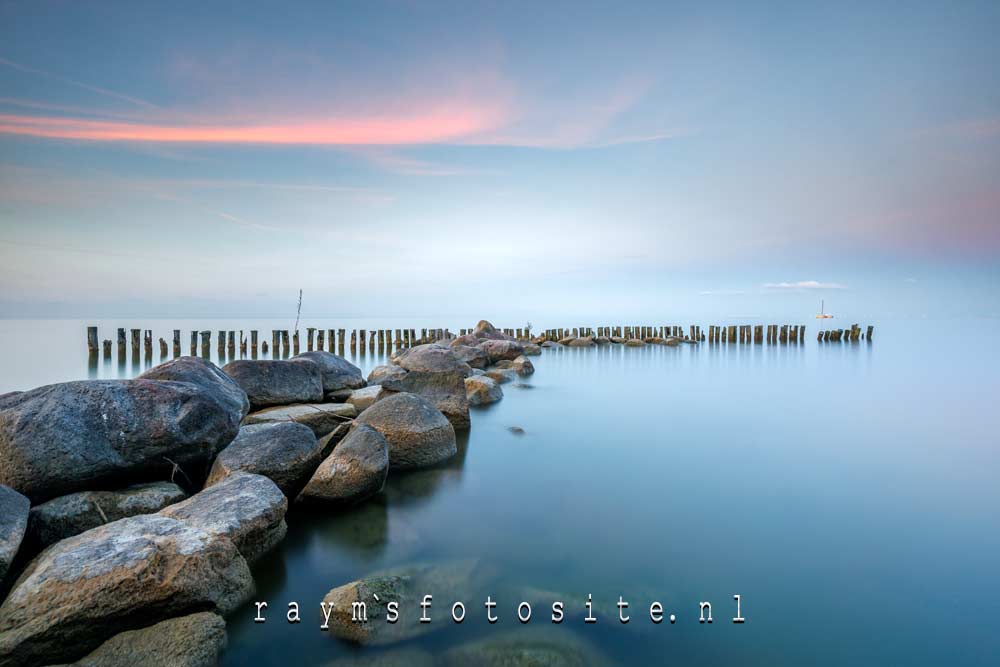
{"x": 78, "y": 84}
{"x": 802, "y": 286}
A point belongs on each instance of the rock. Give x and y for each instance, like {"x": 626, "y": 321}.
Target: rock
{"x": 13, "y": 523}
{"x": 96, "y": 434}
{"x": 521, "y": 365}
{"x": 417, "y": 433}
{"x": 127, "y": 574}
{"x": 498, "y": 350}
{"x": 432, "y": 357}
{"x": 672, "y": 341}
{"x": 445, "y": 390}
{"x": 195, "y": 640}
{"x": 355, "y": 470}
{"x": 484, "y": 327}
{"x": 285, "y": 452}
{"x": 246, "y": 508}
{"x": 584, "y": 341}
{"x": 276, "y": 382}
{"x": 322, "y": 418}
{"x": 551, "y": 343}
{"x": 338, "y": 373}
{"x": 332, "y": 439}
{"x": 75, "y": 513}
{"x": 617, "y": 339}
{"x": 602, "y": 340}
{"x": 481, "y": 390}
{"x": 567, "y": 340}
{"x": 516, "y": 430}
{"x": 532, "y": 349}
{"x": 207, "y": 376}
{"x": 363, "y": 398}
{"x": 527, "y": 647}
{"x": 406, "y": 585}
{"x": 379, "y": 373}
{"x": 501, "y": 375}
{"x": 476, "y": 357}
{"x": 635, "y": 342}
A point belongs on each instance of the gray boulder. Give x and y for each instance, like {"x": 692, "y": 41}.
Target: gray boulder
{"x": 445, "y": 390}
{"x": 338, "y": 373}
{"x": 195, "y": 640}
{"x": 498, "y": 350}
{"x": 75, "y": 513}
{"x": 355, "y": 470}
{"x": 432, "y": 357}
{"x": 363, "y": 398}
{"x": 583, "y": 341}
{"x": 379, "y": 373}
{"x": 417, "y": 433}
{"x": 247, "y": 509}
{"x": 206, "y": 375}
{"x": 275, "y": 382}
{"x": 476, "y": 357}
{"x": 635, "y": 342}
{"x": 128, "y": 574}
{"x": 285, "y": 452}
{"x": 522, "y": 365}
{"x": 532, "y": 349}
{"x": 501, "y": 375}
{"x": 13, "y": 522}
{"x": 551, "y": 343}
{"x": 95, "y": 434}
{"x": 322, "y": 418}
{"x": 481, "y": 390}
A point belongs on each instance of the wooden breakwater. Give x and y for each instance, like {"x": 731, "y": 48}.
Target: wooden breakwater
{"x": 233, "y": 344}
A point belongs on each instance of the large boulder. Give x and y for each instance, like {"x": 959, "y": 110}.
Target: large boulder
{"x": 204, "y": 374}
{"x": 481, "y": 390}
{"x": 275, "y": 382}
{"x": 417, "y": 433}
{"x": 432, "y": 357}
{"x": 476, "y": 357}
{"x": 583, "y": 341}
{"x": 406, "y": 585}
{"x": 13, "y": 523}
{"x": 285, "y": 452}
{"x": 532, "y": 349}
{"x": 338, "y": 373}
{"x": 75, "y": 513}
{"x": 355, "y": 470}
{"x": 498, "y": 350}
{"x": 95, "y": 434}
{"x": 363, "y": 398}
{"x": 128, "y": 574}
{"x": 445, "y": 390}
{"x": 247, "y": 509}
{"x": 195, "y": 640}
{"x": 322, "y": 418}
{"x": 635, "y": 342}
{"x": 379, "y": 373}
{"x": 522, "y": 365}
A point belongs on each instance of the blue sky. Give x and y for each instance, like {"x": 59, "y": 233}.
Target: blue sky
{"x": 526, "y": 159}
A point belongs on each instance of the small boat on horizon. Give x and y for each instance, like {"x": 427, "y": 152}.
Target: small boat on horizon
{"x": 823, "y": 315}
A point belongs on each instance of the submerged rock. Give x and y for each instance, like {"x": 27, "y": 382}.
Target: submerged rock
{"x": 195, "y": 640}
{"x": 532, "y": 349}
{"x": 407, "y": 585}
{"x": 75, "y": 513}
{"x": 285, "y": 452}
{"x": 620, "y": 340}
{"x": 635, "y": 342}
{"x": 501, "y": 375}
{"x": 417, "y": 433}
{"x": 481, "y": 390}
{"x": 246, "y": 508}
{"x": 522, "y": 365}
{"x": 445, "y": 390}
{"x": 355, "y": 470}
{"x": 338, "y": 373}
{"x": 528, "y": 647}
{"x": 321, "y": 418}
{"x": 363, "y": 398}
{"x": 551, "y": 343}
{"x": 584, "y": 341}
{"x": 96, "y": 434}
{"x": 276, "y": 382}
{"x": 379, "y": 373}
{"x": 602, "y": 340}
{"x": 13, "y": 523}
{"x": 432, "y": 357}
{"x": 81, "y": 591}
{"x": 567, "y": 340}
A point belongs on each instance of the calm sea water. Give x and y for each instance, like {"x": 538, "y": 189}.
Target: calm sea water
{"x": 848, "y": 493}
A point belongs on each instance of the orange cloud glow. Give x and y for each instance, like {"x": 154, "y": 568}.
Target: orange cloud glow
{"x": 437, "y": 125}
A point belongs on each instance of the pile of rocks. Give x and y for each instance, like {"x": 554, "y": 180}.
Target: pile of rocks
{"x": 130, "y": 509}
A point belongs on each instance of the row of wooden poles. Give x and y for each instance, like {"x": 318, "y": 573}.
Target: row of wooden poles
{"x": 733, "y": 333}
{"x": 854, "y": 334}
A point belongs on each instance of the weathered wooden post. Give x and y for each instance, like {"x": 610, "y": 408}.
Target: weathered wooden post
{"x": 871, "y": 329}
{"x": 243, "y": 344}
{"x": 107, "y": 348}
{"x": 371, "y": 342}
{"x": 147, "y": 342}
{"x": 310, "y": 336}
{"x": 275, "y": 340}
{"x": 285, "y": 345}
{"x": 320, "y": 340}
{"x": 92, "y": 343}
{"x": 341, "y": 340}
{"x": 232, "y": 343}
{"x": 177, "y": 343}
{"x": 330, "y": 335}
{"x": 295, "y": 341}
{"x": 206, "y": 343}
{"x": 194, "y": 343}
{"x": 263, "y": 347}
{"x": 163, "y": 348}
{"x": 253, "y": 342}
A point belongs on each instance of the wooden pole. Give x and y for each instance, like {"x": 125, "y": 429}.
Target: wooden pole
{"x": 92, "y": 344}
{"x": 194, "y": 343}
{"x": 310, "y": 335}
{"x": 107, "y": 348}
{"x": 177, "y": 343}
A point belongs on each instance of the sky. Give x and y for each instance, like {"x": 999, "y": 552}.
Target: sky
{"x": 532, "y": 160}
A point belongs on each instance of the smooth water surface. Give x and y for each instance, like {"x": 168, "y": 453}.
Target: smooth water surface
{"x": 847, "y": 492}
